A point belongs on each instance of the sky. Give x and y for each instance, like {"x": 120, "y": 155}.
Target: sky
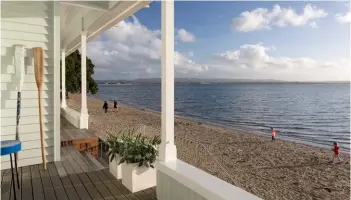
{"x": 292, "y": 41}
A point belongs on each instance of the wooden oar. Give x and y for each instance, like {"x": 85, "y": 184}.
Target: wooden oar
{"x": 19, "y": 67}
{"x": 39, "y": 73}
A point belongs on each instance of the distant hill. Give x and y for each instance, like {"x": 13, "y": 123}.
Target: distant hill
{"x": 205, "y": 81}
{"x": 189, "y": 80}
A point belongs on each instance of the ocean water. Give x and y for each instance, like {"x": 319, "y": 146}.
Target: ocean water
{"x": 315, "y": 114}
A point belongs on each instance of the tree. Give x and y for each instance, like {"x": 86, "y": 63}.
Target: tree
{"x": 73, "y": 75}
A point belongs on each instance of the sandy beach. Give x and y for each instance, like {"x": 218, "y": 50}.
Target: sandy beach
{"x": 271, "y": 170}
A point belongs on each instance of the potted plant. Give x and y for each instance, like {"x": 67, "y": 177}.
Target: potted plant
{"x": 113, "y": 143}
{"x": 137, "y": 159}
{"x": 115, "y": 146}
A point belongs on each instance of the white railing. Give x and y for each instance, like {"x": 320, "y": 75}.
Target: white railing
{"x": 71, "y": 115}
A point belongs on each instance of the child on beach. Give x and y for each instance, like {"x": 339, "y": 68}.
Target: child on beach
{"x": 273, "y": 134}
{"x": 115, "y": 105}
{"x": 336, "y": 150}
{"x": 105, "y": 106}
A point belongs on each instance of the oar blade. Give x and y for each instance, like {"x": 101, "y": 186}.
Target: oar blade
{"x": 38, "y": 65}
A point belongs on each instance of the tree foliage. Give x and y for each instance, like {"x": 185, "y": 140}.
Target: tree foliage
{"x": 73, "y": 74}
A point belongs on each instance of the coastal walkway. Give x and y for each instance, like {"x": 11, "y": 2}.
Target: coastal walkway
{"x": 75, "y": 177}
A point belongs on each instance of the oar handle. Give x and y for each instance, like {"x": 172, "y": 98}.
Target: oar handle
{"x": 41, "y": 128}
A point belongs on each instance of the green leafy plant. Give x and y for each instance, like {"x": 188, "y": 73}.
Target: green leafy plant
{"x": 116, "y": 142}
{"x": 135, "y": 148}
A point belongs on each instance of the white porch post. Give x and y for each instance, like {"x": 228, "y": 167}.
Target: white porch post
{"x": 168, "y": 150}
{"x": 84, "y": 110}
{"x": 63, "y": 78}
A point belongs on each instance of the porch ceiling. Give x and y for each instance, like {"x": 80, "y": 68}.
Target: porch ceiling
{"x": 94, "y": 17}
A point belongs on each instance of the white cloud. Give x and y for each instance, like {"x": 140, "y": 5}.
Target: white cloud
{"x": 264, "y": 19}
{"x": 185, "y": 36}
{"x": 190, "y": 53}
{"x": 313, "y": 25}
{"x": 183, "y": 64}
{"x": 149, "y": 70}
{"x": 256, "y": 56}
{"x": 131, "y": 50}
{"x": 343, "y": 18}
{"x": 255, "y": 61}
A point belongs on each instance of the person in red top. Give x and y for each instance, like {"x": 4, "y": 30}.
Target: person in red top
{"x": 273, "y": 134}
{"x": 336, "y": 150}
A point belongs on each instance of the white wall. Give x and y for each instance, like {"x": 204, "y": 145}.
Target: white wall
{"x": 31, "y": 24}
{"x": 171, "y": 189}
{"x": 179, "y": 180}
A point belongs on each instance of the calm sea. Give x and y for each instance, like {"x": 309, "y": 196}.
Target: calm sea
{"x": 315, "y": 114}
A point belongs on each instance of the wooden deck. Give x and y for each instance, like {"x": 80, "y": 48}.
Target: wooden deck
{"x": 81, "y": 139}
{"x": 75, "y": 177}
{"x": 70, "y": 132}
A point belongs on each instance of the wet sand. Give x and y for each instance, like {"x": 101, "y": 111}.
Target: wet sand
{"x": 271, "y": 170}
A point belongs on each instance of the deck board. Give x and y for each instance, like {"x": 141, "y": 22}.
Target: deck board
{"x": 150, "y": 193}
{"x": 60, "y": 169}
{"x": 6, "y": 185}
{"x": 70, "y": 132}
{"x": 26, "y": 186}
{"x": 18, "y": 191}
{"x": 93, "y": 192}
{"x": 77, "y": 156}
{"x": 68, "y": 167}
{"x": 100, "y": 186}
{"x": 109, "y": 185}
{"x": 48, "y": 188}
{"x": 84, "y": 178}
{"x": 116, "y": 182}
{"x": 73, "y": 162}
{"x": 38, "y": 191}
{"x": 71, "y": 193}
{"x": 2, "y": 174}
{"x": 82, "y": 192}
{"x": 92, "y": 161}
{"x": 142, "y": 195}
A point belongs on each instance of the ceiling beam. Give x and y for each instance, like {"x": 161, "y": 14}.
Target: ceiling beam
{"x": 77, "y": 25}
{"x": 120, "y": 11}
{"x": 88, "y": 5}
{"x": 112, "y": 3}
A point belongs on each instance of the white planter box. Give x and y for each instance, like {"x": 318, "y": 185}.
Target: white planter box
{"x": 138, "y": 178}
{"x": 115, "y": 169}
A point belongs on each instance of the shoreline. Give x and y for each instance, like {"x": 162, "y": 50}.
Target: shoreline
{"x": 238, "y": 129}
{"x": 271, "y": 170}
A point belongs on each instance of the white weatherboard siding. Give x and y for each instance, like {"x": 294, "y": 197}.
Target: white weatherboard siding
{"x": 31, "y": 24}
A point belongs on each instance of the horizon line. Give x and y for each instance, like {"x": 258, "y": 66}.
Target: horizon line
{"x": 228, "y": 79}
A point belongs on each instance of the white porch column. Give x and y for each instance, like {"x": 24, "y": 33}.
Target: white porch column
{"x": 168, "y": 150}
{"x": 84, "y": 110}
{"x": 63, "y": 78}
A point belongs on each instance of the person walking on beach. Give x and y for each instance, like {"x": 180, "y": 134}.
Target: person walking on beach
{"x": 273, "y": 134}
{"x": 105, "y": 106}
{"x": 336, "y": 150}
{"x": 115, "y": 105}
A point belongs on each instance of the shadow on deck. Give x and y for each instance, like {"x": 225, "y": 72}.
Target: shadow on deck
{"x": 73, "y": 178}
{"x": 78, "y": 176}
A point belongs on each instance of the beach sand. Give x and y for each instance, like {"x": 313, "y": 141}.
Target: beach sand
{"x": 271, "y": 170}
